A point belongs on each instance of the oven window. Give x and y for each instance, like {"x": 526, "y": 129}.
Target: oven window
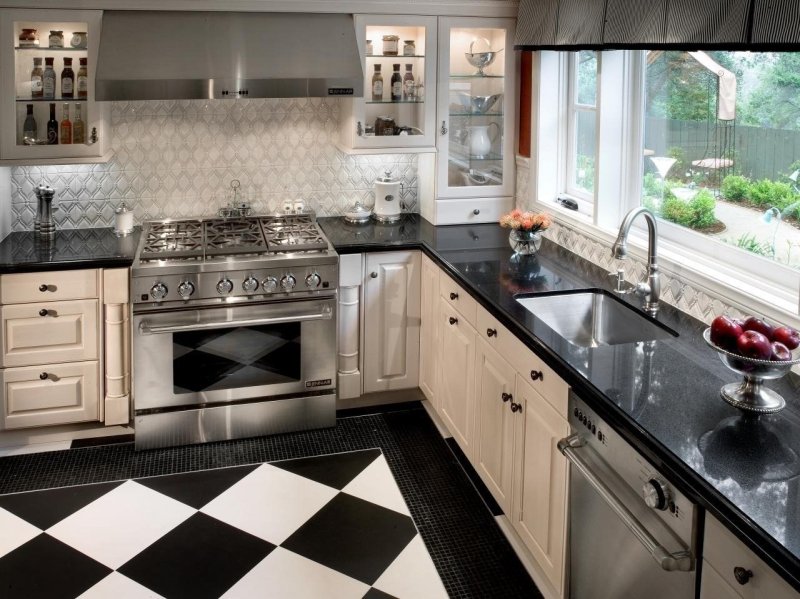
{"x": 236, "y": 357}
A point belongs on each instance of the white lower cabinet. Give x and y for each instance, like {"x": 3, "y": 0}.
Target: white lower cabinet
{"x": 732, "y": 571}
{"x": 391, "y": 321}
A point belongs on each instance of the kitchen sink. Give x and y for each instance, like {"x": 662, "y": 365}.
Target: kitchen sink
{"x": 592, "y": 319}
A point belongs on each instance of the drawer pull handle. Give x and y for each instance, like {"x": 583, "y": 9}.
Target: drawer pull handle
{"x": 374, "y": 275}
{"x": 537, "y": 375}
{"x": 476, "y": 212}
{"x": 42, "y": 312}
{"x": 742, "y": 575}
{"x": 491, "y": 332}
{"x": 453, "y": 296}
{"x": 506, "y": 397}
{"x": 516, "y": 407}
{"x": 43, "y": 288}
{"x": 43, "y": 376}
{"x": 453, "y": 320}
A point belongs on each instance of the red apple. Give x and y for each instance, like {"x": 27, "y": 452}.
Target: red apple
{"x": 788, "y": 336}
{"x": 752, "y": 323}
{"x": 780, "y": 353}
{"x": 724, "y": 332}
{"x": 752, "y": 344}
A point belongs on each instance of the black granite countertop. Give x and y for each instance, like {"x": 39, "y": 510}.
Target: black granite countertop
{"x": 71, "y": 248}
{"x": 662, "y": 396}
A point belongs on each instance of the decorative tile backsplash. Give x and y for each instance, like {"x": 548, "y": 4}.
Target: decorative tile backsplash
{"x": 178, "y": 158}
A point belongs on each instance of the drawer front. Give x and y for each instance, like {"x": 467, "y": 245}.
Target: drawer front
{"x": 48, "y": 286}
{"x": 477, "y": 210}
{"x": 49, "y": 332}
{"x": 457, "y": 297}
{"x": 50, "y": 395}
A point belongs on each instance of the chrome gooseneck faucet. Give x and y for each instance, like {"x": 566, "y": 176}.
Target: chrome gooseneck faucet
{"x": 651, "y": 290}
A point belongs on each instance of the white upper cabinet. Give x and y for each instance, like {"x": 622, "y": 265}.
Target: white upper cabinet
{"x": 397, "y": 112}
{"x": 37, "y": 101}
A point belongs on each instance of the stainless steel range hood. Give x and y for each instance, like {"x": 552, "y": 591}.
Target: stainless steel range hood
{"x": 203, "y": 55}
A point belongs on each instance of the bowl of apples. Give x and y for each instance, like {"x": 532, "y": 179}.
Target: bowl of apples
{"x": 759, "y": 352}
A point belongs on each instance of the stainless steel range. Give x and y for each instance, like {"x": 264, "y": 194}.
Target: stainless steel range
{"x": 234, "y": 326}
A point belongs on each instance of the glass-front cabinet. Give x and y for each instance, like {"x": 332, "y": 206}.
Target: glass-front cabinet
{"x": 397, "y": 111}
{"x": 476, "y": 108}
{"x": 47, "y": 70}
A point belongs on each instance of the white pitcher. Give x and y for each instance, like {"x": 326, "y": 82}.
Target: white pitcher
{"x": 480, "y": 143}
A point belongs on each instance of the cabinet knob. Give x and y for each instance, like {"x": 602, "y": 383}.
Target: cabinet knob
{"x": 43, "y": 376}
{"x": 42, "y": 312}
{"x": 506, "y": 397}
{"x": 453, "y": 296}
{"x": 444, "y": 127}
{"x": 537, "y": 375}
{"x": 742, "y": 575}
{"x": 453, "y": 320}
{"x": 374, "y": 275}
{"x": 476, "y": 212}
{"x": 516, "y": 407}
{"x": 491, "y": 332}
{"x": 359, "y": 129}
{"x": 42, "y": 288}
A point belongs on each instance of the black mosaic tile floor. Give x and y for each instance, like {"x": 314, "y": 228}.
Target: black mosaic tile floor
{"x": 470, "y": 552}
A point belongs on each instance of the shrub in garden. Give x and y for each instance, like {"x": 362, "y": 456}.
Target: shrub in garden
{"x": 736, "y": 188}
{"x": 702, "y": 210}
{"x": 771, "y": 193}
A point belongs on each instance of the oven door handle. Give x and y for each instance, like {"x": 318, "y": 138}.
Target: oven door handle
{"x": 682, "y": 561}
{"x": 145, "y": 328}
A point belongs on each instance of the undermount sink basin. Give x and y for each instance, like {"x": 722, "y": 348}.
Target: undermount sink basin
{"x": 592, "y": 319}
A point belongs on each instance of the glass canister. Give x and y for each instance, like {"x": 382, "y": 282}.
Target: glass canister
{"x": 78, "y": 40}
{"x": 56, "y": 39}
{"x": 123, "y": 220}
{"x": 409, "y": 48}
{"x": 369, "y": 50}
{"x": 391, "y": 44}
{"x": 28, "y": 38}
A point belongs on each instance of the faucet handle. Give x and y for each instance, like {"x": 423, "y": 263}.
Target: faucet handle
{"x": 619, "y": 281}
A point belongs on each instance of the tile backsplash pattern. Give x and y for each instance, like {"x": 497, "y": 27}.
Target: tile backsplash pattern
{"x": 178, "y": 158}
{"x": 691, "y": 299}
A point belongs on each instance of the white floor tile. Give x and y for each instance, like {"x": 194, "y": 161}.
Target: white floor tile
{"x": 117, "y": 586}
{"x": 412, "y": 575}
{"x": 286, "y": 575}
{"x": 121, "y": 523}
{"x": 376, "y": 484}
{"x": 270, "y": 503}
{"x": 14, "y": 531}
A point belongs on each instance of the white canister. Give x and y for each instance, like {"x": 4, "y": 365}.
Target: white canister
{"x": 123, "y": 220}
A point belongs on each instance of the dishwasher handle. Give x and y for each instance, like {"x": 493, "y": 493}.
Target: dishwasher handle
{"x": 681, "y": 561}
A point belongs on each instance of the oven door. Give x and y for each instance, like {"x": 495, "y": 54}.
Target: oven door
{"x": 219, "y": 355}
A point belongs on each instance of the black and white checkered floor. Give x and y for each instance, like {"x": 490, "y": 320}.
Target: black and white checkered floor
{"x": 333, "y": 526}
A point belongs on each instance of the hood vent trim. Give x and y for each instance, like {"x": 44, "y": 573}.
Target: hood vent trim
{"x": 174, "y": 55}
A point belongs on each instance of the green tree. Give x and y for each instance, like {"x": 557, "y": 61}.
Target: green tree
{"x": 775, "y": 101}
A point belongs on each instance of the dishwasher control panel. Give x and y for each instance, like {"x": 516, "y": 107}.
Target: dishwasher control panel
{"x": 619, "y": 457}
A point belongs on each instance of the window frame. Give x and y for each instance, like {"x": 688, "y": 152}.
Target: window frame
{"x": 571, "y": 188}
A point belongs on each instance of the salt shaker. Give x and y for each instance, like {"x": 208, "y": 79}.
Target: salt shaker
{"x": 123, "y": 220}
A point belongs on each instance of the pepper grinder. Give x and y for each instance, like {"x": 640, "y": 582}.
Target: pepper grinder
{"x": 43, "y": 226}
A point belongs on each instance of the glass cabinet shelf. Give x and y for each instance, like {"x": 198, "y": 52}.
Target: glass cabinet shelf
{"x": 31, "y": 101}
{"x": 46, "y": 49}
{"x": 476, "y": 114}
{"x": 459, "y": 157}
{"x": 395, "y": 102}
{"x": 395, "y": 57}
{"x": 477, "y": 76}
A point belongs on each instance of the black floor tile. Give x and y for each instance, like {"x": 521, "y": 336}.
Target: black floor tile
{"x": 46, "y": 568}
{"x": 200, "y": 558}
{"x": 476, "y": 481}
{"x": 197, "y": 488}
{"x": 378, "y": 594}
{"x": 95, "y": 441}
{"x": 335, "y": 470}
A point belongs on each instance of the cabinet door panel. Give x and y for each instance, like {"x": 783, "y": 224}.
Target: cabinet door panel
{"x": 49, "y": 332}
{"x": 713, "y": 585}
{"x": 456, "y": 383}
{"x": 49, "y": 395}
{"x": 391, "y": 328}
{"x": 494, "y": 422}
{"x": 540, "y": 497}
{"x": 23, "y": 288}
{"x": 429, "y": 338}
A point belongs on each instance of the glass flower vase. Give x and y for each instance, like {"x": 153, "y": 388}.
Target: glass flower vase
{"x": 525, "y": 243}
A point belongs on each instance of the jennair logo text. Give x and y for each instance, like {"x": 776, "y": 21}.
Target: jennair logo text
{"x": 319, "y": 383}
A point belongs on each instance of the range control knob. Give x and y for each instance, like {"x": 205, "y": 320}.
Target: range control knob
{"x": 656, "y": 494}
{"x": 158, "y": 291}
{"x": 313, "y": 281}
{"x": 224, "y": 287}
{"x": 250, "y": 284}
{"x": 270, "y": 284}
{"x": 288, "y": 282}
{"x": 186, "y": 289}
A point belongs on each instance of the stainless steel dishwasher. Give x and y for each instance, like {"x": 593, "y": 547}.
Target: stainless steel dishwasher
{"x": 631, "y": 533}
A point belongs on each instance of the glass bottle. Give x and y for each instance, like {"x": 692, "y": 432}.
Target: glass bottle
{"x": 82, "y": 80}
{"x": 52, "y": 126}
{"x": 37, "y": 79}
{"x": 49, "y": 80}
{"x": 78, "y": 127}
{"x": 408, "y": 84}
{"x": 67, "y": 80}
{"x": 397, "y": 83}
{"x": 66, "y": 126}
{"x": 29, "y": 128}
{"x": 377, "y": 84}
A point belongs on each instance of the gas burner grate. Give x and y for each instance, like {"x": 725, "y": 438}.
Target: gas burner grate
{"x": 237, "y": 236}
{"x": 298, "y": 233}
{"x": 176, "y": 239}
